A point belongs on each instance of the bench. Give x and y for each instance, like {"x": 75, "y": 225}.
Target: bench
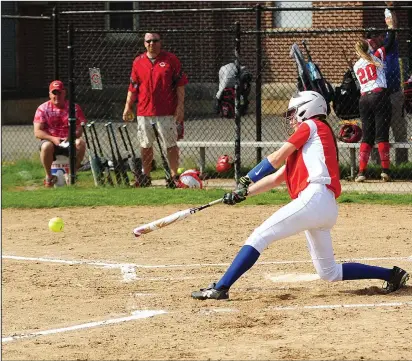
{"x": 202, "y": 145}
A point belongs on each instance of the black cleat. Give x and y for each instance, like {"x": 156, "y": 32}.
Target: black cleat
{"x": 397, "y": 281}
{"x": 210, "y": 293}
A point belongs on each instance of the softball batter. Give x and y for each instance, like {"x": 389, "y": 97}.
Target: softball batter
{"x": 311, "y": 173}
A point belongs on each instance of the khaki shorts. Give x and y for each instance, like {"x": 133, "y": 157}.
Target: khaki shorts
{"x": 166, "y": 126}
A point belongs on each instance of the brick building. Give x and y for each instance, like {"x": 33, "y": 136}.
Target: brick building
{"x": 204, "y": 41}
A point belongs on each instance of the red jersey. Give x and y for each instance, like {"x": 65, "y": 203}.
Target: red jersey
{"x": 314, "y": 161}
{"x": 56, "y": 120}
{"x": 156, "y": 83}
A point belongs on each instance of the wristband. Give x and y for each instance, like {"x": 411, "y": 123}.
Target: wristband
{"x": 261, "y": 170}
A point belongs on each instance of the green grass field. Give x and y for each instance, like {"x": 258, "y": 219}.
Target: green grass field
{"x": 22, "y": 187}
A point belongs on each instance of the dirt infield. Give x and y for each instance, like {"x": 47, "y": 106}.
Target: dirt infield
{"x": 80, "y": 294}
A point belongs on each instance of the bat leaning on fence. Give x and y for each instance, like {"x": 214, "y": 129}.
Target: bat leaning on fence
{"x": 303, "y": 73}
{"x": 114, "y": 159}
{"x": 122, "y": 165}
{"x": 135, "y": 164}
{"x": 163, "y": 222}
{"x": 94, "y": 161}
{"x": 105, "y": 163}
{"x": 98, "y": 166}
{"x": 314, "y": 72}
{"x": 169, "y": 181}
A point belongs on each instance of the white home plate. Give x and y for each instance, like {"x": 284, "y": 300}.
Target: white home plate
{"x": 292, "y": 277}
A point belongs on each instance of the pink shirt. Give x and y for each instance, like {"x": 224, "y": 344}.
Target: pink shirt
{"x": 56, "y": 120}
{"x": 156, "y": 83}
{"x": 314, "y": 161}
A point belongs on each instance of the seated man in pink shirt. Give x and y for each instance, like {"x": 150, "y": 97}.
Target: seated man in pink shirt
{"x": 51, "y": 126}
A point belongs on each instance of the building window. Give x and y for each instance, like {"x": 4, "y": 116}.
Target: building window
{"x": 122, "y": 21}
{"x": 293, "y": 19}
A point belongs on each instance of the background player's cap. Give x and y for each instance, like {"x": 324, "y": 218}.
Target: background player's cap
{"x": 56, "y": 85}
{"x": 373, "y": 34}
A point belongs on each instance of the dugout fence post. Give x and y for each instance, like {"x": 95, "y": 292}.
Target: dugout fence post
{"x": 237, "y": 103}
{"x": 258, "y": 81}
{"x": 55, "y": 21}
{"x": 72, "y": 111}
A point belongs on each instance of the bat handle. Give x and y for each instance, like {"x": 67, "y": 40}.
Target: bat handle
{"x": 85, "y": 135}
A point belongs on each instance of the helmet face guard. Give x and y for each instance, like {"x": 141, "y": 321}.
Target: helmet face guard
{"x": 290, "y": 121}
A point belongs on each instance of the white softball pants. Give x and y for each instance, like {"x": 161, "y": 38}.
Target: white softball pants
{"x": 315, "y": 212}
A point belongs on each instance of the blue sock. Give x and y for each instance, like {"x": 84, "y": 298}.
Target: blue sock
{"x": 359, "y": 271}
{"x": 244, "y": 260}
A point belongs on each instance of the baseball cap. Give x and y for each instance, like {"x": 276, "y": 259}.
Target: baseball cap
{"x": 56, "y": 85}
{"x": 374, "y": 33}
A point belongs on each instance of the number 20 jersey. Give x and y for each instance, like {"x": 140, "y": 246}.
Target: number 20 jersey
{"x": 369, "y": 75}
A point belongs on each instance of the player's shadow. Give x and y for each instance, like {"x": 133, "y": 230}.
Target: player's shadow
{"x": 374, "y": 290}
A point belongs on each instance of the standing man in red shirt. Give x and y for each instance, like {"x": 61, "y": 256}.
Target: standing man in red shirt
{"x": 51, "y": 126}
{"x": 311, "y": 174}
{"x": 157, "y": 85}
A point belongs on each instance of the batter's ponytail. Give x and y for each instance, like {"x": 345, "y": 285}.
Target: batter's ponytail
{"x": 322, "y": 118}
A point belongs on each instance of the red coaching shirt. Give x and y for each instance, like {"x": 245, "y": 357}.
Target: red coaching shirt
{"x": 56, "y": 120}
{"x": 155, "y": 83}
{"x": 314, "y": 161}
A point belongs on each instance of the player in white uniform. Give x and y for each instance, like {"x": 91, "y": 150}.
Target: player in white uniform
{"x": 311, "y": 173}
{"x": 374, "y": 106}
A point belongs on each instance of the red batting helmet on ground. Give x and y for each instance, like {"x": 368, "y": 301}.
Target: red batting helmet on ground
{"x": 223, "y": 164}
{"x": 350, "y": 133}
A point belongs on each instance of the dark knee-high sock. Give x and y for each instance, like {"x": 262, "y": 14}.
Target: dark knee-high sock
{"x": 359, "y": 271}
{"x": 244, "y": 260}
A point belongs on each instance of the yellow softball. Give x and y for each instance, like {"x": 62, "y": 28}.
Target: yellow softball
{"x": 56, "y": 224}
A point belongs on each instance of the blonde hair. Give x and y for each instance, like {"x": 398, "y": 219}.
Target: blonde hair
{"x": 362, "y": 49}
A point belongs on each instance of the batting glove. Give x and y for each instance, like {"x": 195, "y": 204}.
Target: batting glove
{"x": 235, "y": 197}
{"x": 244, "y": 182}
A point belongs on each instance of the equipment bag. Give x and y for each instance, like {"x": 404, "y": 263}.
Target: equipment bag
{"x": 226, "y": 95}
{"x": 346, "y": 101}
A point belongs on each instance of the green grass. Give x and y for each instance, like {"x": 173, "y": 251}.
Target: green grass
{"x": 22, "y": 187}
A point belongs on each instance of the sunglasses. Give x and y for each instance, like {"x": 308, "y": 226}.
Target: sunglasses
{"x": 152, "y": 41}
{"x": 56, "y": 92}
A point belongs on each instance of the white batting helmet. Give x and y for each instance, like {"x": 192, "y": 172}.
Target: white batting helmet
{"x": 190, "y": 179}
{"x": 306, "y": 104}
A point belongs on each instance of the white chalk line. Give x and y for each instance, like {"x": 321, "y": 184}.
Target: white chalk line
{"x": 191, "y": 265}
{"x": 312, "y": 307}
{"x": 326, "y": 307}
{"x": 135, "y": 315}
{"x": 128, "y": 270}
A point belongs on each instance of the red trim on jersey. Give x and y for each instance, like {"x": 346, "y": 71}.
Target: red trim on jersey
{"x": 154, "y": 84}
{"x": 314, "y": 160}
{"x": 380, "y": 53}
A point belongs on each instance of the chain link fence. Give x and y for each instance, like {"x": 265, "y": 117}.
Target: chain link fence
{"x": 209, "y": 59}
